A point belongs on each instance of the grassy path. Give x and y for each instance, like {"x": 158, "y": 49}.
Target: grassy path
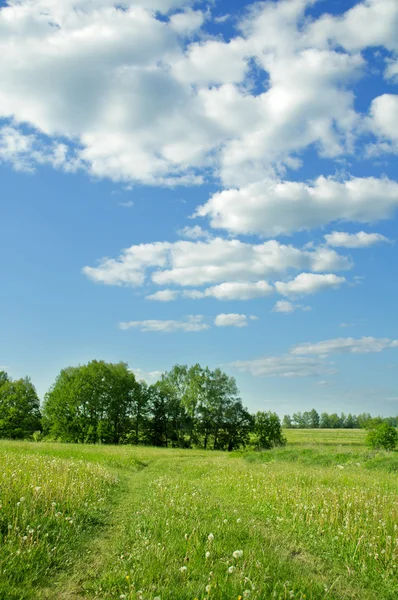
{"x": 186, "y": 525}
{"x": 156, "y": 542}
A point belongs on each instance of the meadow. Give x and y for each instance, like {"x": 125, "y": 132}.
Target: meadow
{"x": 316, "y": 519}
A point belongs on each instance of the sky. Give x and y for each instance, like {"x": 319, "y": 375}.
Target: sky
{"x": 212, "y": 182}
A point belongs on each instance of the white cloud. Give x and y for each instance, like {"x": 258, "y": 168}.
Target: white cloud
{"x": 341, "y": 239}
{"x": 126, "y": 204}
{"x": 231, "y": 262}
{"x": 284, "y": 306}
{"x": 230, "y": 320}
{"x": 309, "y": 283}
{"x": 187, "y": 22}
{"x": 384, "y": 120}
{"x": 141, "y": 104}
{"x": 148, "y": 376}
{"x": 164, "y": 295}
{"x": 190, "y": 323}
{"x": 284, "y": 366}
{"x": 363, "y": 345}
{"x": 194, "y": 233}
{"x": 233, "y": 290}
{"x": 274, "y": 208}
{"x": 25, "y": 151}
{"x": 391, "y": 71}
{"x": 368, "y": 23}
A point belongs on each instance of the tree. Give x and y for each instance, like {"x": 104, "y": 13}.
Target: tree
{"x": 91, "y": 403}
{"x": 287, "y": 422}
{"x": 314, "y": 419}
{"x": 382, "y": 435}
{"x": 19, "y": 408}
{"x": 268, "y": 431}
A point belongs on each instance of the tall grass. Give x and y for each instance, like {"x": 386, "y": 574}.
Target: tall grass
{"x": 305, "y": 522}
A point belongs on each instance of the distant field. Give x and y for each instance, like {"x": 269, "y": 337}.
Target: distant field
{"x": 326, "y": 437}
{"x": 315, "y": 520}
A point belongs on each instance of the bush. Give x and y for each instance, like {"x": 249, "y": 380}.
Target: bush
{"x": 382, "y": 436}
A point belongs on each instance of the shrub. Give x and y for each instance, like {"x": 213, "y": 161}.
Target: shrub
{"x": 382, "y": 436}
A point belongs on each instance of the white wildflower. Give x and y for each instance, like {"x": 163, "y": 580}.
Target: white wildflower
{"x": 237, "y": 553}
{"x": 231, "y": 569}
{"x": 183, "y": 569}
{"x": 210, "y": 537}
{"x": 207, "y": 555}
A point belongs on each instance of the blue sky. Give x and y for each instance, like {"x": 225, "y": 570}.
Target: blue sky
{"x": 210, "y": 182}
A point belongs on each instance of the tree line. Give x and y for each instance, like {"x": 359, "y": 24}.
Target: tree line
{"x": 104, "y": 403}
{"x": 190, "y": 406}
{"x": 313, "y": 420}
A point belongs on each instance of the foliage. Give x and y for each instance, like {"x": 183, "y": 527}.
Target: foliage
{"x": 268, "y": 431}
{"x": 19, "y": 408}
{"x": 382, "y": 435}
{"x": 312, "y": 420}
{"x": 102, "y": 402}
{"x": 92, "y": 403}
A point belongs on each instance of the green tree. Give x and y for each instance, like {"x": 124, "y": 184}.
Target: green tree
{"x": 91, "y": 403}
{"x": 19, "y": 408}
{"x": 382, "y": 435}
{"x": 268, "y": 431}
{"x": 314, "y": 419}
{"x": 287, "y": 422}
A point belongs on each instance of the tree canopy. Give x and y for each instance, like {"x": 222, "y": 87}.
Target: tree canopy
{"x": 19, "y": 408}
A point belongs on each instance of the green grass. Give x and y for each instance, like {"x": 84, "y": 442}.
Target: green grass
{"x": 313, "y": 520}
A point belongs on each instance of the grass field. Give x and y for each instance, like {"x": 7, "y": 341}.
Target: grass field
{"x": 317, "y": 519}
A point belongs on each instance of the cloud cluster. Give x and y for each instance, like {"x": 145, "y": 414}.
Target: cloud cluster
{"x": 287, "y": 307}
{"x": 308, "y": 360}
{"x": 363, "y": 345}
{"x": 282, "y": 207}
{"x": 341, "y": 239}
{"x": 234, "y": 266}
{"x": 191, "y": 323}
{"x": 160, "y": 101}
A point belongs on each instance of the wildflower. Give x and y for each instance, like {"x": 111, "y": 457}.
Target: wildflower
{"x": 208, "y": 588}
{"x": 246, "y": 593}
{"x": 238, "y": 520}
{"x": 225, "y": 521}
{"x": 210, "y": 537}
{"x": 186, "y": 536}
{"x": 207, "y": 555}
{"x": 231, "y": 569}
{"x": 183, "y": 569}
{"x": 237, "y": 553}
{"x": 122, "y": 596}
{"x": 156, "y": 598}
{"x": 22, "y": 499}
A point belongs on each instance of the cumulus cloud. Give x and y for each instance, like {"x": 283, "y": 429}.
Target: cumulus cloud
{"x": 309, "y": 283}
{"x": 363, "y": 345}
{"x": 273, "y": 208}
{"x": 230, "y": 320}
{"x": 138, "y": 102}
{"x": 341, "y": 239}
{"x": 384, "y": 121}
{"x": 187, "y": 22}
{"x": 284, "y": 366}
{"x": 233, "y": 290}
{"x": 286, "y": 307}
{"x": 190, "y": 323}
{"x": 231, "y": 262}
{"x": 164, "y": 295}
